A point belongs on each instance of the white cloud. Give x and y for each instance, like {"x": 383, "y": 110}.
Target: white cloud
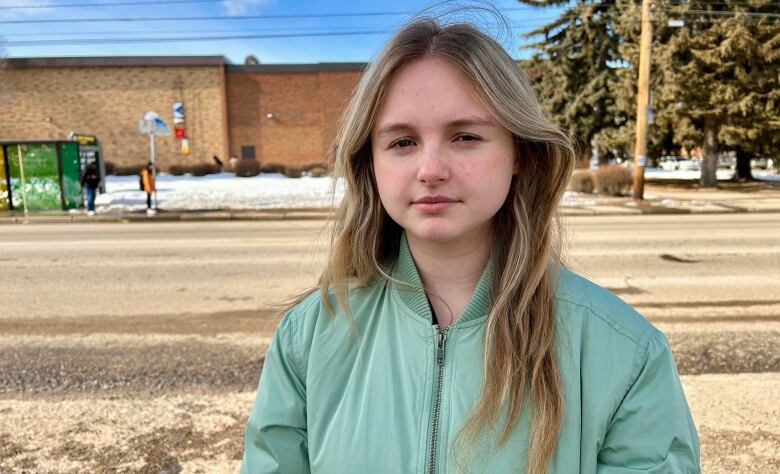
{"x": 11, "y": 13}
{"x": 240, "y": 7}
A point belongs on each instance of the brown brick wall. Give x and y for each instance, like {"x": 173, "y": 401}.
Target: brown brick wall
{"x": 306, "y": 107}
{"x": 109, "y": 101}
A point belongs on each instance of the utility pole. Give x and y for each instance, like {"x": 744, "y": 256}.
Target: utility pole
{"x": 643, "y": 99}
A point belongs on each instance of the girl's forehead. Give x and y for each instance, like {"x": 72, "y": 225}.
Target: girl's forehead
{"x": 430, "y": 89}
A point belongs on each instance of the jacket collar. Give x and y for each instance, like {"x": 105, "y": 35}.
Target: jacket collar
{"x": 413, "y": 295}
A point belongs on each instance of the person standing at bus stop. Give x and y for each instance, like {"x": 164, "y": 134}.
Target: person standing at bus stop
{"x": 148, "y": 185}
{"x": 90, "y": 180}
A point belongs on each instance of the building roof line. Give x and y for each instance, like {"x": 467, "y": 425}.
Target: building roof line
{"x": 114, "y": 61}
{"x": 312, "y": 67}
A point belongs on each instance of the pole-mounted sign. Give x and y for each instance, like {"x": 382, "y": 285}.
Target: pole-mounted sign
{"x": 153, "y": 125}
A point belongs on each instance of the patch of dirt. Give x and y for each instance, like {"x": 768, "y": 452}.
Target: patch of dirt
{"x": 726, "y": 352}
{"x": 202, "y": 324}
{"x": 728, "y": 451}
{"x": 9, "y": 449}
{"x": 155, "y": 368}
{"x": 162, "y": 451}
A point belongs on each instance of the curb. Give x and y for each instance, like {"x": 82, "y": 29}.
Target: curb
{"x": 165, "y": 217}
{"x": 314, "y": 214}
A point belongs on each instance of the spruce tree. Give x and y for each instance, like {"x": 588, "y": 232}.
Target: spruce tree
{"x": 714, "y": 82}
{"x": 572, "y": 72}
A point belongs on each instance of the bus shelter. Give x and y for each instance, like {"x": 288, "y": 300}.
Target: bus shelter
{"x": 40, "y": 176}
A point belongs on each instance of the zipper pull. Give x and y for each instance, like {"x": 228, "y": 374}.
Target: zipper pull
{"x": 440, "y": 349}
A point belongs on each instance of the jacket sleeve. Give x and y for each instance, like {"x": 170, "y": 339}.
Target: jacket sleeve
{"x": 276, "y": 439}
{"x": 652, "y": 430}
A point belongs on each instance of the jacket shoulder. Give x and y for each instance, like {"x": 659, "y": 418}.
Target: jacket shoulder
{"x": 578, "y": 291}
{"x": 312, "y": 306}
{"x": 309, "y": 319}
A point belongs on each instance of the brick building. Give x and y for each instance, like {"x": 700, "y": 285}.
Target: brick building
{"x": 287, "y": 114}
{"x": 283, "y": 114}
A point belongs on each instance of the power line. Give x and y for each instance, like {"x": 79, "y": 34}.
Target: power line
{"x": 720, "y": 13}
{"x": 91, "y": 41}
{"x": 750, "y": 3}
{"x": 168, "y": 31}
{"x": 538, "y": 21}
{"x": 108, "y": 4}
{"x": 323, "y": 15}
{"x": 175, "y": 2}
{"x": 221, "y": 18}
{"x": 85, "y": 41}
{"x": 263, "y": 30}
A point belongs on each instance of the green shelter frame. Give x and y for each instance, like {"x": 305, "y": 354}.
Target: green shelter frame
{"x": 42, "y": 175}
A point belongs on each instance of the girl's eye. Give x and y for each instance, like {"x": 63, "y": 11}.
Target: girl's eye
{"x": 467, "y": 138}
{"x": 402, "y": 143}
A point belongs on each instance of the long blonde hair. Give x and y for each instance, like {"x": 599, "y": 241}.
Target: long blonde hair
{"x": 519, "y": 356}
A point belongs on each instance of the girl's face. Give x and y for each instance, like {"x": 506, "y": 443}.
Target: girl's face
{"x": 442, "y": 162}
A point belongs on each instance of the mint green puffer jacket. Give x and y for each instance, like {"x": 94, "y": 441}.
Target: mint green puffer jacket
{"x": 393, "y": 402}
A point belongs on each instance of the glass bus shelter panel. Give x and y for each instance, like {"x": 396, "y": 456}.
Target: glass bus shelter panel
{"x": 5, "y": 202}
{"x": 40, "y": 187}
{"x": 71, "y": 175}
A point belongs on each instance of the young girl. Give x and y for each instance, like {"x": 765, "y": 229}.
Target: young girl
{"x": 446, "y": 335}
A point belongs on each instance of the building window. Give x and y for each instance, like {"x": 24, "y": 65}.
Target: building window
{"x": 248, "y": 152}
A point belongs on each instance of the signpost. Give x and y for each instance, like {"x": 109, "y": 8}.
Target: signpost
{"x": 153, "y": 125}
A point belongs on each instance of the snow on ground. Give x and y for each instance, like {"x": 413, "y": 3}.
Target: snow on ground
{"x": 723, "y": 174}
{"x": 658, "y": 173}
{"x": 218, "y": 191}
{"x": 275, "y": 191}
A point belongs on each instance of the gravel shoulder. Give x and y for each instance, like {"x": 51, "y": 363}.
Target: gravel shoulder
{"x": 203, "y": 432}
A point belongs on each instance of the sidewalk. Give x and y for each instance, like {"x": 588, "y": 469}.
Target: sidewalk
{"x": 658, "y": 200}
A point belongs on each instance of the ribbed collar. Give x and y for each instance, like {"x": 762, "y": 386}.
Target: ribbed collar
{"x": 414, "y": 296}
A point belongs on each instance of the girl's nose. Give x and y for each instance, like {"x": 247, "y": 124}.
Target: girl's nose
{"x": 433, "y": 167}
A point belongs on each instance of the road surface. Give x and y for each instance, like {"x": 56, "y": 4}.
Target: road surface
{"x": 137, "y": 347}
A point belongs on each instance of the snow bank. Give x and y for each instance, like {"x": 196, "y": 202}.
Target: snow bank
{"x": 276, "y": 191}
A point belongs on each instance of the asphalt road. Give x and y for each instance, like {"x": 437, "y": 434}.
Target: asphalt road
{"x": 167, "y": 323}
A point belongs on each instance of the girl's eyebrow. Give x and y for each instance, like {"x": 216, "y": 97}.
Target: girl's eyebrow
{"x": 473, "y": 121}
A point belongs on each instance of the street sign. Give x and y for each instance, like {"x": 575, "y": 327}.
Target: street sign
{"x": 178, "y": 113}
{"x": 152, "y": 124}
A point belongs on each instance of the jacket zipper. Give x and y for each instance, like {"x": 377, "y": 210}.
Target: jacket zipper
{"x": 442, "y": 339}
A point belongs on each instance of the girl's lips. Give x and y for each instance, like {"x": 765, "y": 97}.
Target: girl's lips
{"x": 433, "y": 207}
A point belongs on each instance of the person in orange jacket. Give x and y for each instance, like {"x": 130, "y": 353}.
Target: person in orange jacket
{"x": 147, "y": 185}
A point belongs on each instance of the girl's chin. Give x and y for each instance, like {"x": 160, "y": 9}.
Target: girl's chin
{"x": 438, "y": 234}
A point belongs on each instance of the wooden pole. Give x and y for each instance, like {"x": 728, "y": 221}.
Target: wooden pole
{"x": 643, "y": 100}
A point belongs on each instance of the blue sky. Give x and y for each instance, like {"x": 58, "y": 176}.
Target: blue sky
{"x": 312, "y": 49}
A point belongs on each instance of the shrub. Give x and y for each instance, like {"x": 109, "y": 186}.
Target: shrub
{"x": 126, "y": 170}
{"x": 311, "y": 166}
{"x": 293, "y": 172}
{"x": 109, "y": 166}
{"x": 179, "y": 170}
{"x": 273, "y": 168}
{"x": 202, "y": 169}
{"x": 581, "y": 182}
{"x": 247, "y": 168}
{"x": 318, "y": 171}
{"x": 613, "y": 180}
